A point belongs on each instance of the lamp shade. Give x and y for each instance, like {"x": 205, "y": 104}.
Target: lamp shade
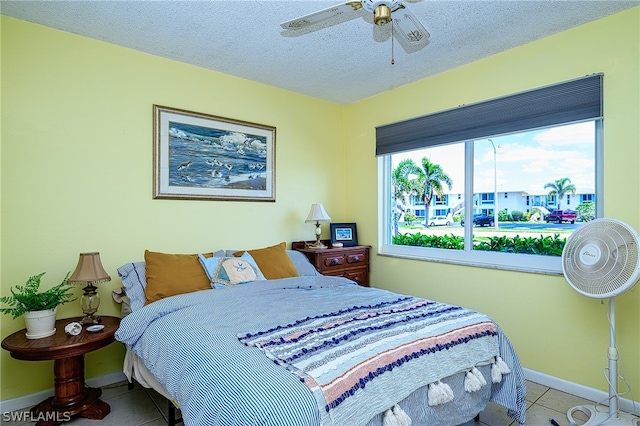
{"x": 89, "y": 270}
{"x": 317, "y": 214}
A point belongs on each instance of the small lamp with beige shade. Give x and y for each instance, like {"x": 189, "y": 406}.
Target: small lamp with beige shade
{"x": 90, "y": 272}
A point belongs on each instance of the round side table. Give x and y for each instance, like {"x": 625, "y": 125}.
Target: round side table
{"x": 72, "y": 397}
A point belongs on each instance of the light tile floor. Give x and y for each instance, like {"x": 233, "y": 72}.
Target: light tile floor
{"x": 141, "y": 406}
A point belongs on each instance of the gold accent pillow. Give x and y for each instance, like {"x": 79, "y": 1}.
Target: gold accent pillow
{"x": 273, "y": 261}
{"x": 171, "y": 274}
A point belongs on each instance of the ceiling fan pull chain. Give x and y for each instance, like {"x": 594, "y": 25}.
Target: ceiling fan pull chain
{"x": 392, "y": 59}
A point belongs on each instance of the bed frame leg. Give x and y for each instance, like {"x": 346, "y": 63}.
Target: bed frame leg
{"x": 171, "y": 409}
{"x": 477, "y": 418}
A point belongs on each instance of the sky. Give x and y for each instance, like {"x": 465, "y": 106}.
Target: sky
{"x": 524, "y": 161}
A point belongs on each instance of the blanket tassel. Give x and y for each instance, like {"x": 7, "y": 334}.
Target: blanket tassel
{"x": 439, "y": 393}
{"x": 496, "y": 375}
{"x": 499, "y": 368}
{"x": 471, "y": 383}
{"x": 396, "y": 417}
{"x": 504, "y": 368}
{"x": 479, "y": 375}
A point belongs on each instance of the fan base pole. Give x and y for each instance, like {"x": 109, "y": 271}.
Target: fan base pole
{"x": 597, "y": 417}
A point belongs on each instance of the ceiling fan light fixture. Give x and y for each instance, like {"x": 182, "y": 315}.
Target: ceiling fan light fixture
{"x": 382, "y": 15}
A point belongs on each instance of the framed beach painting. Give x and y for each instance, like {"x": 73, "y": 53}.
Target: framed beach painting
{"x": 203, "y": 157}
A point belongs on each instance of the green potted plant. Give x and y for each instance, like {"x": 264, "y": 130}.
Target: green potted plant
{"x": 39, "y": 308}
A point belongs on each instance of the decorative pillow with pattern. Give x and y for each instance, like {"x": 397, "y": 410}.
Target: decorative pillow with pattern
{"x": 229, "y": 271}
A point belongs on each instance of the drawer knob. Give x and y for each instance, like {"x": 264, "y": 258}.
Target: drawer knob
{"x": 355, "y": 259}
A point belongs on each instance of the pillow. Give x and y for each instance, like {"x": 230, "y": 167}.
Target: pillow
{"x": 171, "y": 274}
{"x": 134, "y": 279}
{"x": 302, "y": 264}
{"x": 273, "y": 261}
{"x": 246, "y": 256}
{"x": 227, "y": 271}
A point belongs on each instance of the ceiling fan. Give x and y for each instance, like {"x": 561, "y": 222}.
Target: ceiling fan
{"x": 405, "y": 24}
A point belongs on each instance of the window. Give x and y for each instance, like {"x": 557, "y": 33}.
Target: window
{"x": 539, "y": 166}
{"x": 486, "y": 198}
{"x": 441, "y": 201}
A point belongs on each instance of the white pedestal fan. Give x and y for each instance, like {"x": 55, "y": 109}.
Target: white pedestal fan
{"x": 602, "y": 260}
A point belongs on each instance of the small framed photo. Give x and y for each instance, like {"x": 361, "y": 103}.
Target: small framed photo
{"x": 344, "y": 233}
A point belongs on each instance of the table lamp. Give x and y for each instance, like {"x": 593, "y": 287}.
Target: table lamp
{"x": 89, "y": 271}
{"x": 317, "y": 214}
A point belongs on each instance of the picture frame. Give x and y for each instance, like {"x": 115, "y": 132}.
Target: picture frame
{"x": 199, "y": 156}
{"x": 345, "y": 233}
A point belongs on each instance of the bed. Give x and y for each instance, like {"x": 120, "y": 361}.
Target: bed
{"x": 298, "y": 348}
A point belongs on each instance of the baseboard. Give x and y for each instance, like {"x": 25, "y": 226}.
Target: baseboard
{"x": 32, "y": 399}
{"x": 581, "y": 391}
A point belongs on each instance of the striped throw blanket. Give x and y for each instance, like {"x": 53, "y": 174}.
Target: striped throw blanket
{"x": 380, "y": 352}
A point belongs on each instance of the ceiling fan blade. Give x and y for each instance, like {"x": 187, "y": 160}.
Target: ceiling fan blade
{"x": 408, "y": 26}
{"x": 321, "y": 15}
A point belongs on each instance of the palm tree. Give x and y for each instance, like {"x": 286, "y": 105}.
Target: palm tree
{"x": 401, "y": 186}
{"x": 430, "y": 180}
{"x": 560, "y": 188}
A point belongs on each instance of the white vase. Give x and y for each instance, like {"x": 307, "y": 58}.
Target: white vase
{"x": 40, "y": 323}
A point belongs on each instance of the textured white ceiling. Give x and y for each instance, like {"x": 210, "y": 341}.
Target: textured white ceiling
{"x": 344, "y": 60}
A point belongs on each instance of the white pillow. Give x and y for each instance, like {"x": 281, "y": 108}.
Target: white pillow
{"x": 134, "y": 279}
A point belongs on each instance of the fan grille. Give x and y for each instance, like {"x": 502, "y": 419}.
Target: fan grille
{"x": 600, "y": 259}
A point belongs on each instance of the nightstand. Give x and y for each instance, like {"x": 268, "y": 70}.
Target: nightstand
{"x": 72, "y": 396}
{"x": 348, "y": 262}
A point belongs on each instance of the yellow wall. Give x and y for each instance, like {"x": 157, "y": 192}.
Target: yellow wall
{"x": 76, "y": 164}
{"x": 555, "y": 330}
{"x": 77, "y": 168}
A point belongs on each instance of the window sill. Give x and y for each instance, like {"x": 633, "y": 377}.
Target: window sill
{"x": 550, "y": 265}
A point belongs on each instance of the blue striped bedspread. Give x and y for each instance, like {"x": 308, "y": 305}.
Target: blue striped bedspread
{"x": 190, "y": 344}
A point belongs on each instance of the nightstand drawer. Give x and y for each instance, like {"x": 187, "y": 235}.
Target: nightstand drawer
{"x": 361, "y": 276}
{"x": 341, "y": 260}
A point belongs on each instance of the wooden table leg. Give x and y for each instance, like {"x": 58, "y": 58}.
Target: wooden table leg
{"x": 72, "y": 397}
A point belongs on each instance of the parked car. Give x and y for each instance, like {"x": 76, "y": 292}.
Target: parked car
{"x": 439, "y": 220}
{"x": 480, "y": 219}
{"x": 560, "y": 216}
